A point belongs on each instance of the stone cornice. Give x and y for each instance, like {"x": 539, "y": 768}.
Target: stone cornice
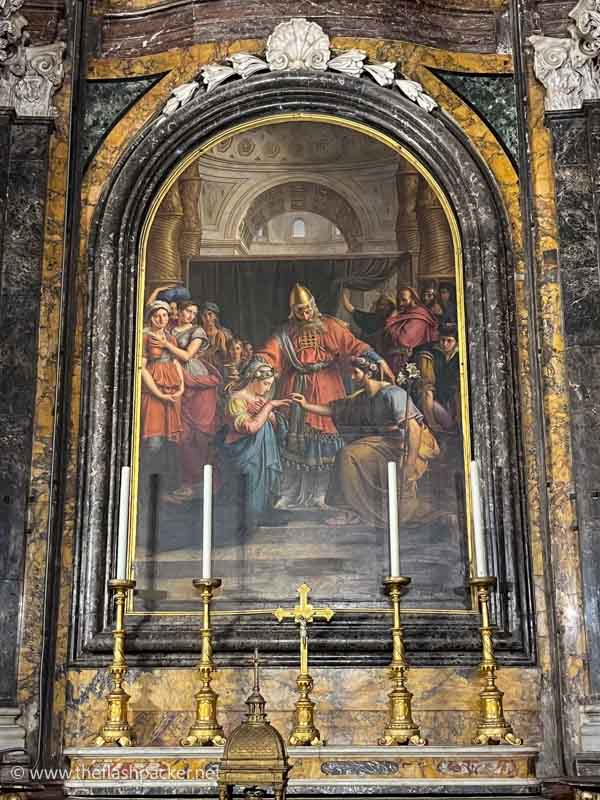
{"x": 134, "y": 27}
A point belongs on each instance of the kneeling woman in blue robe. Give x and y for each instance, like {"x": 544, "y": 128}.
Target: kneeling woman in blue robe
{"x": 250, "y": 448}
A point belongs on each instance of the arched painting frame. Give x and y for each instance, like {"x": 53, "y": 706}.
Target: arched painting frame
{"x": 467, "y": 187}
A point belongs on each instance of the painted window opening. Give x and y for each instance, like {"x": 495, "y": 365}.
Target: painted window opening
{"x": 299, "y": 229}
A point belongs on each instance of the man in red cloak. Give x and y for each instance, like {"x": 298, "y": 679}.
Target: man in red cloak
{"x": 411, "y": 325}
{"x": 310, "y": 353}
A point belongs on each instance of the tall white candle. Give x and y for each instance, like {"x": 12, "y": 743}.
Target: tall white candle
{"x": 207, "y": 523}
{"x": 481, "y": 568}
{"x": 123, "y": 531}
{"x": 393, "y": 520}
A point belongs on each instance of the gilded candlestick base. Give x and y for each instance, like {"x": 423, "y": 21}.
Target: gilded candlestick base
{"x": 401, "y": 728}
{"x": 492, "y": 727}
{"x": 205, "y": 729}
{"x": 304, "y": 731}
{"x": 116, "y": 728}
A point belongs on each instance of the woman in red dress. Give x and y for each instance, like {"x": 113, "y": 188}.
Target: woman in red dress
{"x": 162, "y": 388}
{"x": 199, "y": 409}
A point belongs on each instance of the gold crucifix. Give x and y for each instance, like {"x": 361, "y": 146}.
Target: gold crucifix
{"x": 304, "y": 731}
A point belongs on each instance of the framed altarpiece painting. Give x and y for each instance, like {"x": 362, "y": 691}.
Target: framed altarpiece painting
{"x": 296, "y": 279}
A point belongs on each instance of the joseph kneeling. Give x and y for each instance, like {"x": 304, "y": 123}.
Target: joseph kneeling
{"x": 358, "y": 483}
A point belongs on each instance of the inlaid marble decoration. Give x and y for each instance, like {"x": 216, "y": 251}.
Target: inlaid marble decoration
{"x": 493, "y": 98}
{"x": 302, "y": 325}
{"x": 106, "y": 102}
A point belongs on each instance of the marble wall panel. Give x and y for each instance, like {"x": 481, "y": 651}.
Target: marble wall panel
{"x": 35, "y": 635}
{"x": 106, "y": 102}
{"x": 493, "y": 98}
{"x": 23, "y": 187}
{"x": 580, "y": 283}
{"x": 5, "y": 123}
{"x": 557, "y": 577}
{"x": 134, "y": 34}
{"x": 45, "y": 21}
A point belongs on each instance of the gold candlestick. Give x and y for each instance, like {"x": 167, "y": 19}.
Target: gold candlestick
{"x": 205, "y": 730}
{"x": 493, "y": 727}
{"x": 304, "y": 731}
{"x": 401, "y": 728}
{"x": 116, "y": 729}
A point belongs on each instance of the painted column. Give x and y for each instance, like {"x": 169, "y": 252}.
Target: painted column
{"x": 190, "y": 191}
{"x": 407, "y": 227}
{"x": 436, "y": 255}
{"x": 163, "y": 257}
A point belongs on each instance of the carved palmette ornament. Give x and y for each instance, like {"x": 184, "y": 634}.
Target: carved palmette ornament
{"x": 352, "y": 62}
{"x": 300, "y": 45}
{"x": 180, "y": 96}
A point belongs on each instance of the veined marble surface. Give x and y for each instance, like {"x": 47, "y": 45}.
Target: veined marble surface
{"x": 327, "y": 750}
{"x": 419, "y": 770}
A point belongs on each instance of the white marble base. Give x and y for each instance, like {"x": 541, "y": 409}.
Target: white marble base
{"x": 590, "y": 728}
{"x": 107, "y": 773}
{"x": 12, "y": 735}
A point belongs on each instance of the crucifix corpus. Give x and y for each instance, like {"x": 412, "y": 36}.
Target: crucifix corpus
{"x": 304, "y": 731}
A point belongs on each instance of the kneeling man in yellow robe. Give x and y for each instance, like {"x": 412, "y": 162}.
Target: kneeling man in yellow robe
{"x": 390, "y": 428}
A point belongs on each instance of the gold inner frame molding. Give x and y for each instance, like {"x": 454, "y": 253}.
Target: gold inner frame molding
{"x": 300, "y": 117}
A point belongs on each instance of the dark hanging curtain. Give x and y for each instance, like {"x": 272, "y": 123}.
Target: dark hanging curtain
{"x": 254, "y": 295}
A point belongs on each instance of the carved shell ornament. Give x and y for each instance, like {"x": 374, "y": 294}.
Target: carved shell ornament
{"x": 298, "y": 44}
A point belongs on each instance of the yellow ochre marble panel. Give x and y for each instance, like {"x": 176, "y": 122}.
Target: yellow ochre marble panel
{"x": 351, "y": 704}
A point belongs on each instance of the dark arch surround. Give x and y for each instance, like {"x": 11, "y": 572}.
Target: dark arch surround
{"x": 349, "y": 639}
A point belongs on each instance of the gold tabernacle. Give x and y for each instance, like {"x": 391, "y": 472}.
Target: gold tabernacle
{"x": 255, "y": 753}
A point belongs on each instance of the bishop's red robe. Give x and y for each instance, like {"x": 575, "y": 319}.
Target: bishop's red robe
{"x": 333, "y": 346}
